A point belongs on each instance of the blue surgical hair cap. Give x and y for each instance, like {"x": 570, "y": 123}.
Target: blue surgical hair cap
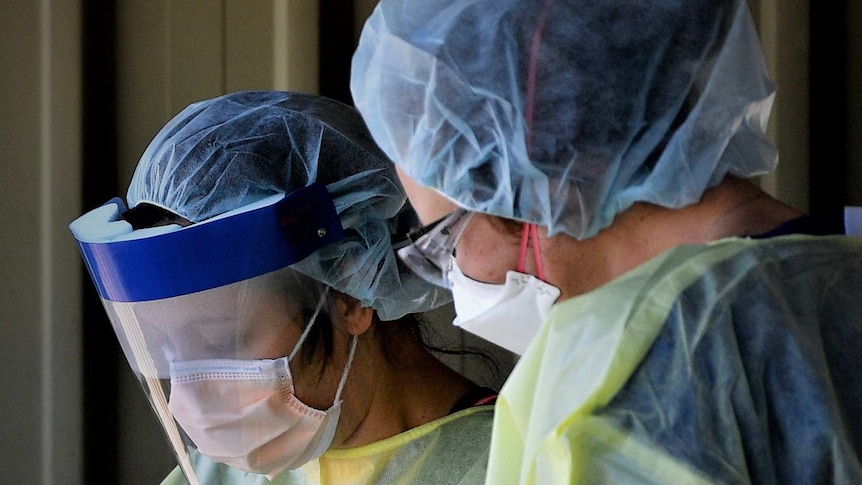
{"x": 564, "y": 113}
{"x": 223, "y": 153}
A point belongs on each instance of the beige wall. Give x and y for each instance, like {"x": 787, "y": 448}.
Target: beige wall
{"x": 40, "y": 361}
{"x": 174, "y": 52}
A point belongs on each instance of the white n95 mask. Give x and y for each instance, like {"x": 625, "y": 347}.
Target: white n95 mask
{"x": 508, "y": 315}
{"x": 245, "y": 413}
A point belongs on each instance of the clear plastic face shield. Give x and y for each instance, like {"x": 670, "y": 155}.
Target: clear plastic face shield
{"x": 209, "y": 316}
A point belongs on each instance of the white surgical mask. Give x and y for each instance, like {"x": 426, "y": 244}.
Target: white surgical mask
{"x": 509, "y": 314}
{"x": 245, "y": 413}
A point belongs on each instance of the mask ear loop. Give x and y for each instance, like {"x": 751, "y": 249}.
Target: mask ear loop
{"x": 530, "y": 235}
{"x": 310, "y": 324}
{"x": 304, "y": 335}
{"x": 346, "y": 369}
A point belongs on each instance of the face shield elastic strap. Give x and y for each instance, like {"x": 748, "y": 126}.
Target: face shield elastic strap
{"x": 220, "y": 251}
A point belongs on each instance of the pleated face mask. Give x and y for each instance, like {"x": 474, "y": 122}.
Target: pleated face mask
{"x": 245, "y": 413}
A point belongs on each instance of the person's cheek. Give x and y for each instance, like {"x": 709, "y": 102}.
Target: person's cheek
{"x": 485, "y": 255}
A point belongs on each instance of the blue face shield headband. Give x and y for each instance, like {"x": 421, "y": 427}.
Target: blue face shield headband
{"x": 159, "y": 263}
{"x": 276, "y": 233}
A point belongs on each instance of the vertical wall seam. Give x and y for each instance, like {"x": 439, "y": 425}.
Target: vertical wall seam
{"x": 224, "y": 47}
{"x": 45, "y": 253}
{"x": 279, "y": 49}
{"x": 168, "y": 49}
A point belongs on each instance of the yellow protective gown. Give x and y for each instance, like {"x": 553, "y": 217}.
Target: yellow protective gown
{"x": 739, "y": 361}
{"x": 452, "y": 450}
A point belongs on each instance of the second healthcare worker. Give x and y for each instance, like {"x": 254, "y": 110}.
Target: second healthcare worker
{"x": 587, "y": 165}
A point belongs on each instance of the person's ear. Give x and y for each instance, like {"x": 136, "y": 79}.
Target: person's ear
{"x": 355, "y": 318}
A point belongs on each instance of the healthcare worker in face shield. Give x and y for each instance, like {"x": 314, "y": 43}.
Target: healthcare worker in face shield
{"x": 254, "y": 287}
{"x": 586, "y": 164}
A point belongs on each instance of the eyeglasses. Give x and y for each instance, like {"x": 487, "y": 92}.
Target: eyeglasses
{"x": 430, "y": 255}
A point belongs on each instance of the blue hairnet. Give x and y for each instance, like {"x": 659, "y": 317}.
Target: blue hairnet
{"x": 566, "y": 112}
{"x": 224, "y": 153}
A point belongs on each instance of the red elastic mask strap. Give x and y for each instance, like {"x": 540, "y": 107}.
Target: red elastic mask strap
{"x": 530, "y": 235}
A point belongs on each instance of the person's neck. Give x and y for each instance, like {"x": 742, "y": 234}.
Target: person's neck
{"x": 417, "y": 390}
{"x": 733, "y": 208}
